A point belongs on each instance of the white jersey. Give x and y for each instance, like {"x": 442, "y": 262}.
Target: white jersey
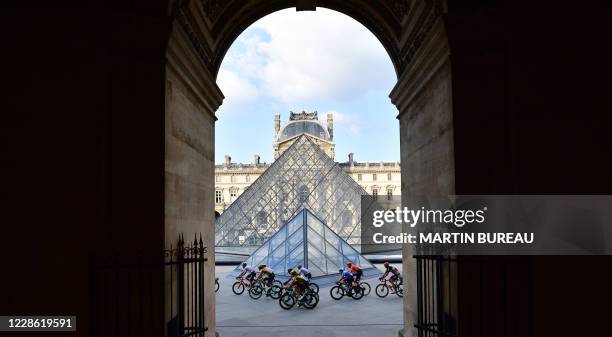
{"x": 249, "y": 269}
{"x": 303, "y": 271}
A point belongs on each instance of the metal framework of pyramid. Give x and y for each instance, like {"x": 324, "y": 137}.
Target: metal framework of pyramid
{"x": 302, "y": 177}
{"x": 306, "y": 240}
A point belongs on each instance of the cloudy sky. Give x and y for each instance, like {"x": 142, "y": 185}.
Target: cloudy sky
{"x": 322, "y": 61}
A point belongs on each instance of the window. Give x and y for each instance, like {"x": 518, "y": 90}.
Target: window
{"x": 233, "y": 178}
{"x": 389, "y": 176}
{"x": 218, "y": 197}
{"x": 389, "y": 193}
{"x": 374, "y": 177}
{"x": 247, "y": 178}
{"x": 359, "y": 177}
{"x": 233, "y": 194}
{"x": 375, "y": 193}
{"x": 218, "y": 178}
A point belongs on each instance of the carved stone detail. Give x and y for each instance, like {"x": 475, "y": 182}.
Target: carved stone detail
{"x": 423, "y": 29}
{"x": 211, "y": 8}
{"x": 200, "y": 48}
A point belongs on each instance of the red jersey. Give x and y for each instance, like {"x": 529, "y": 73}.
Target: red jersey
{"x": 354, "y": 268}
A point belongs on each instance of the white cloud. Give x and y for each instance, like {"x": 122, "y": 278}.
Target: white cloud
{"x": 295, "y": 57}
{"x": 236, "y": 87}
{"x": 350, "y": 121}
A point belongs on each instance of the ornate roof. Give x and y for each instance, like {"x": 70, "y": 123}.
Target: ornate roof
{"x": 298, "y": 127}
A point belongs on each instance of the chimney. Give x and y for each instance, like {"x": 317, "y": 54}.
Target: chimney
{"x": 256, "y": 159}
{"x": 330, "y": 125}
{"x": 276, "y": 124}
{"x": 351, "y": 162}
{"x": 228, "y": 160}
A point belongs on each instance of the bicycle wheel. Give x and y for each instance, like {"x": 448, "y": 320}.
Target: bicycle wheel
{"x": 311, "y": 301}
{"x": 356, "y": 293}
{"x": 238, "y": 288}
{"x": 382, "y": 290}
{"x": 399, "y": 289}
{"x": 255, "y": 293}
{"x": 216, "y": 285}
{"x": 277, "y": 283}
{"x": 286, "y": 301}
{"x": 275, "y": 292}
{"x": 336, "y": 292}
{"x": 314, "y": 287}
{"x": 365, "y": 286}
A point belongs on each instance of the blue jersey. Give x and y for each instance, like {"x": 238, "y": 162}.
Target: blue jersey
{"x": 347, "y": 276}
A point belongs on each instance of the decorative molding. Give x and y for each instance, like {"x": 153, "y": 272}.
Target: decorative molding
{"x": 432, "y": 54}
{"x": 401, "y": 8}
{"x": 212, "y": 9}
{"x": 421, "y": 31}
{"x": 200, "y": 48}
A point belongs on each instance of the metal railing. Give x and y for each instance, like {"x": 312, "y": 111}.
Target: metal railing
{"x": 436, "y": 296}
{"x": 127, "y": 293}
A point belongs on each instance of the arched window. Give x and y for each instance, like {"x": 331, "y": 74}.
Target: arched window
{"x": 218, "y": 196}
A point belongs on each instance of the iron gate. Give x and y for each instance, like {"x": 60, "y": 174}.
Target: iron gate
{"x": 132, "y": 295}
{"x": 436, "y": 296}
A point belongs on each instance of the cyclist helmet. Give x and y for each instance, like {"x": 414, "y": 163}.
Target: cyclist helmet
{"x": 289, "y": 271}
{"x": 261, "y": 266}
{"x": 244, "y": 265}
{"x": 386, "y": 264}
{"x": 349, "y": 264}
{"x": 299, "y": 266}
{"x": 293, "y": 273}
{"x": 341, "y": 271}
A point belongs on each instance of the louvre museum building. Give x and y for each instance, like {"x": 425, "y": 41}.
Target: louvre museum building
{"x": 302, "y": 209}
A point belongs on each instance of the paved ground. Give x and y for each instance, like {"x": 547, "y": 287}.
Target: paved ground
{"x": 243, "y": 316}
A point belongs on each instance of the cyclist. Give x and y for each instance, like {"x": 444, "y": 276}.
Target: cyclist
{"x": 395, "y": 274}
{"x": 346, "y": 277}
{"x": 304, "y": 272}
{"x": 266, "y": 274}
{"x": 299, "y": 282}
{"x": 248, "y": 271}
{"x": 356, "y": 271}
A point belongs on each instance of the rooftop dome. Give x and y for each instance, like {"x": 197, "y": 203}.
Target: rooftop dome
{"x": 295, "y": 128}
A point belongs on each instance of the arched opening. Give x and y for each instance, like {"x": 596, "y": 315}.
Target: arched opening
{"x": 414, "y": 40}
{"x": 291, "y": 74}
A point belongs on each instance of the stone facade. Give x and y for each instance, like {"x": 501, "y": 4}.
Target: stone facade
{"x": 231, "y": 179}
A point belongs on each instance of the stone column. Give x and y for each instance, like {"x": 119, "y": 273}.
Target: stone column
{"x": 192, "y": 97}
{"x": 424, "y": 99}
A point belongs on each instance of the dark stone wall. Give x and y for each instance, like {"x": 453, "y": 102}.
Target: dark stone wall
{"x": 531, "y": 116}
{"x": 82, "y": 150}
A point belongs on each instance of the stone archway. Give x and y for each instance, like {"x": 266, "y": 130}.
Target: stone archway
{"x": 414, "y": 36}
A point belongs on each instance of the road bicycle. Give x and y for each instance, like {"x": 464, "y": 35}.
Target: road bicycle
{"x": 385, "y": 286}
{"x": 260, "y": 287}
{"x": 341, "y": 289}
{"x": 239, "y": 286}
{"x": 309, "y": 299}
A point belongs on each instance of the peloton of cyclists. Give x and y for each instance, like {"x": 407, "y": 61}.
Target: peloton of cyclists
{"x": 395, "y": 274}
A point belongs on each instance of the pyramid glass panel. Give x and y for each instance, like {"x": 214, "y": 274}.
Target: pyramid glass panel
{"x": 306, "y": 247}
{"x": 302, "y": 177}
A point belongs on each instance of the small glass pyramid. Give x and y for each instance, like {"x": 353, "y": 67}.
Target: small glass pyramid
{"x": 305, "y": 240}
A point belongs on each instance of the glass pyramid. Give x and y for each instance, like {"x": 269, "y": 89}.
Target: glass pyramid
{"x": 305, "y": 240}
{"x": 302, "y": 177}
